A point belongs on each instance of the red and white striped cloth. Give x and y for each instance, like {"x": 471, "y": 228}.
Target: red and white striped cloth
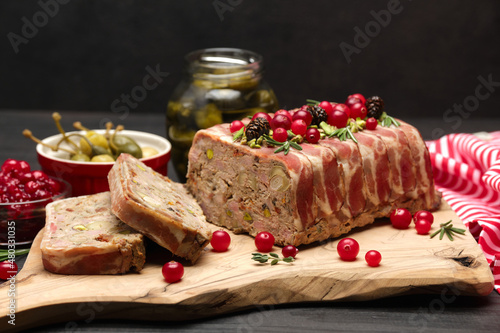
{"x": 467, "y": 171}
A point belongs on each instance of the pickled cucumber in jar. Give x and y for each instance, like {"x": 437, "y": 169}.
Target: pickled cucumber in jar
{"x": 220, "y": 85}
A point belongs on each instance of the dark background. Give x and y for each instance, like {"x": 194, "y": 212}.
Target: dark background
{"x": 427, "y": 58}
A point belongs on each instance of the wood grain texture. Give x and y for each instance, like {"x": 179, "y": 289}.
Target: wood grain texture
{"x": 225, "y": 282}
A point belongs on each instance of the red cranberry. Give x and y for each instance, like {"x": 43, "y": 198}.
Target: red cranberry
{"x": 280, "y": 134}
{"x": 40, "y": 176}
{"x": 263, "y": 115}
{"x": 304, "y": 115}
{"x": 312, "y": 135}
{"x": 299, "y": 127}
{"x": 358, "y": 96}
{"x": 342, "y": 107}
{"x": 371, "y": 123}
{"x": 350, "y": 101}
{"x": 338, "y": 118}
{"x": 285, "y": 113}
{"x": 327, "y": 106}
{"x": 281, "y": 120}
{"x": 236, "y": 125}
{"x": 358, "y": 110}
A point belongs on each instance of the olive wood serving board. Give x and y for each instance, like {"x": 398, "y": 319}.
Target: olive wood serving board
{"x": 230, "y": 281}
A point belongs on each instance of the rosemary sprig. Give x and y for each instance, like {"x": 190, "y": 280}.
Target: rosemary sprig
{"x": 387, "y": 121}
{"x": 448, "y": 229}
{"x": 284, "y": 146}
{"x": 263, "y": 258}
{"x": 4, "y": 254}
{"x": 312, "y": 102}
{"x": 343, "y": 134}
{"x": 238, "y": 134}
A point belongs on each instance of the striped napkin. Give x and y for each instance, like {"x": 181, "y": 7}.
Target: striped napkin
{"x": 467, "y": 171}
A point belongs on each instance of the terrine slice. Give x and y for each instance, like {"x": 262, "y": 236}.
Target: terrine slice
{"x": 157, "y": 207}
{"x": 82, "y": 236}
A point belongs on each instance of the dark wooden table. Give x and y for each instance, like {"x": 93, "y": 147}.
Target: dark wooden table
{"x": 415, "y": 313}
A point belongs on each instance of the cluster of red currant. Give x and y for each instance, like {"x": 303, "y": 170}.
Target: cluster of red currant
{"x": 401, "y": 219}
{"x": 19, "y": 184}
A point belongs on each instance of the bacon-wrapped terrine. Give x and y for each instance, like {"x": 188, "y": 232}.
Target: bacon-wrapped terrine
{"x": 82, "y": 236}
{"x": 319, "y": 192}
{"x": 157, "y": 207}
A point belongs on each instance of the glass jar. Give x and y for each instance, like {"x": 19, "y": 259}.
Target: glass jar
{"x": 220, "y": 85}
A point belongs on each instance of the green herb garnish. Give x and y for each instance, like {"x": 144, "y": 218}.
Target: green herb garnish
{"x": 238, "y": 134}
{"x": 4, "y": 254}
{"x": 387, "y": 121}
{"x": 263, "y": 258}
{"x": 448, "y": 229}
{"x": 284, "y": 146}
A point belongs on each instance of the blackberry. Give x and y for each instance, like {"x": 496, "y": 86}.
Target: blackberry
{"x": 318, "y": 114}
{"x": 375, "y": 106}
{"x": 256, "y": 128}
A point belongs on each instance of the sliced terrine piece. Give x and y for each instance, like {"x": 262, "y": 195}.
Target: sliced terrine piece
{"x": 157, "y": 207}
{"x": 322, "y": 191}
{"x": 82, "y": 236}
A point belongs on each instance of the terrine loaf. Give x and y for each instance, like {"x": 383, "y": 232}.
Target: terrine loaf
{"x": 319, "y": 192}
{"x": 157, "y": 207}
{"x": 82, "y": 236}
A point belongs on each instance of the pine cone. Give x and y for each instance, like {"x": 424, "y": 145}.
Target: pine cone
{"x": 375, "y": 106}
{"x": 256, "y": 128}
{"x": 318, "y": 114}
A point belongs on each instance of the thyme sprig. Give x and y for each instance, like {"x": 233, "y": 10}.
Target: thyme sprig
{"x": 284, "y": 146}
{"x": 312, "y": 102}
{"x": 263, "y": 258}
{"x": 448, "y": 229}
{"x": 387, "y": 121}
{"x": 4, "y": 254}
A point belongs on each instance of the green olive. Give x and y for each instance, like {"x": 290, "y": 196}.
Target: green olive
{"x": 102, "y": 158}
{"x": 96, "y": 139}
{"x": 80, "y": 157}
{"x": 124, "y": 144}
{"x": 149, "y": 151}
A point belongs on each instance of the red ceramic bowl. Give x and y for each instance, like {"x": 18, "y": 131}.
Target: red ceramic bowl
{"x": 91, "y": 177}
